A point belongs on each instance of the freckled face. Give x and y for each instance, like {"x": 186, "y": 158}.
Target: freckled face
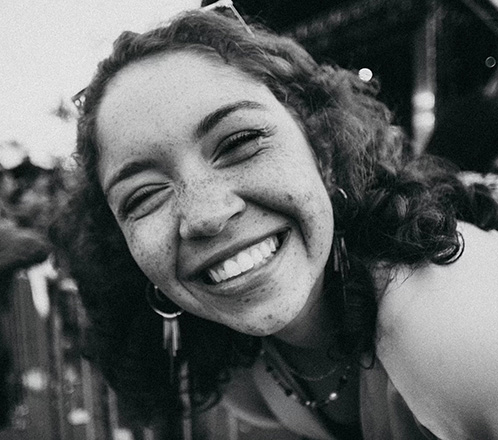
{"x": 216, "y": 190}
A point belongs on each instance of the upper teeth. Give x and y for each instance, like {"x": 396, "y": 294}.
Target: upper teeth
{"x": 244, "y": 260}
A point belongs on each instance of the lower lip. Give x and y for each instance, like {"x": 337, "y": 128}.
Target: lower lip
{"x": 248, "y": 282}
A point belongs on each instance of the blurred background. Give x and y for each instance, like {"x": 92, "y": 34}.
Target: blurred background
{"x": 436, "y": 62}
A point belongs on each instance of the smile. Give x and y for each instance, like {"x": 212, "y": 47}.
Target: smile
{"x": 248, "y": 259}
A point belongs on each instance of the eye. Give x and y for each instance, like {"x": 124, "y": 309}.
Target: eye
{"x": 143, "y": 201}
{"x": 240, "y": 146}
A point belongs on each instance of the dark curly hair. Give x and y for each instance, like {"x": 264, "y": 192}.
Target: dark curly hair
{"x": 399, "y": 209}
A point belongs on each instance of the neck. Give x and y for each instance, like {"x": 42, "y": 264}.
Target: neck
{"x": 309, "y": 347}
{"x": 311, "y": 330}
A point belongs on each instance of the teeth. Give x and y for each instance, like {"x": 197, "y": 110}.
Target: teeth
{"x": 244, "y": 261}
{"x": 265, "y": 249}
{"x": 273, "y": 246}
{"x": 232, "y": 269}
{"x": 214, "y": 275}
{"x": 257, "y": 256}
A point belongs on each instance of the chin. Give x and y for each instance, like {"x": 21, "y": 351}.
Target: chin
{"x": 265, "y": 322}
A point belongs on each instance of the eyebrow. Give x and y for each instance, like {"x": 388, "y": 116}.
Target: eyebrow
{"x": 214, "y": 118}
{"x": 207, "y": 124}
{"x": 128, "y": 170}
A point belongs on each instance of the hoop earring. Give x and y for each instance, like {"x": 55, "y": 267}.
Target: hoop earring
{"x": 171, "y": 327}
{"x": 179, "y": 368}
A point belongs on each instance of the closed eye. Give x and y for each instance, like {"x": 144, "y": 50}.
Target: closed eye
{"x": 143, "y": 201}
{"x": 240, "y": 146}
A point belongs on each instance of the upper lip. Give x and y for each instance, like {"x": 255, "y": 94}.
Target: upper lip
{"x": 227, "y": 251}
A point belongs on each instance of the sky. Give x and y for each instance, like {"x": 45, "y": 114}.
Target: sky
{"x": 49, "y": 50}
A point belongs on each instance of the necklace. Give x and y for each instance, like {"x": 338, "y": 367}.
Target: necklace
{"x": 314, "y": 378}
{"x": 283, "y": 374}
{"x": 317, "y": 378}
{"x": 298, "y": 396}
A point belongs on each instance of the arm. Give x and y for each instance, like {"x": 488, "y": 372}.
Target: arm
{"x": 438, "y": 340}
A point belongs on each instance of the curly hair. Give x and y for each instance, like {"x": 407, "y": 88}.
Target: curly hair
{"x": 399, "y": 209}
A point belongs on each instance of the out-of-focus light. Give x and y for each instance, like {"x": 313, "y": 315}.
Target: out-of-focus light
{"x": 78, "y": 416}
{"x": 424, "y": 120}
{"x": 365, "y": 74}
{"x": 122, "y": 434}
{"x": 70, "y": 375}
{"x": 35, "y": 380}
{"x": 490, "y": 62}
{"x": 424, "y": 100}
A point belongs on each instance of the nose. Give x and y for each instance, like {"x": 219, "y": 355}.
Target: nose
{"x": 206, "y": 207}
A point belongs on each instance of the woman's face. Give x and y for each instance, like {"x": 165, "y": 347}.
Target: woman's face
{"x": 216, "y": 190}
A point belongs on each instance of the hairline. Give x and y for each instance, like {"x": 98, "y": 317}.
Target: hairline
{"x": 209, "y": 53}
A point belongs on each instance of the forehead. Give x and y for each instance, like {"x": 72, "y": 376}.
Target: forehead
{"x": 170, "y": 87}
{"x": 156, "y": 104}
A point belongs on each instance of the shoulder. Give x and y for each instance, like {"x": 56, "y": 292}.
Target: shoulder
{"x": 470, "y": 282}
{"x": 438, "y": 339}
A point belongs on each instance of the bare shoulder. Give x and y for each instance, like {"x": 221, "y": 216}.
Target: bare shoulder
{"x": 438, "y": 339}
{"x": 469, "y": 282}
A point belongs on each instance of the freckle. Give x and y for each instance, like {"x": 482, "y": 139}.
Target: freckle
{"x": 270, "y": 316}
{"x": 246, "y": 300}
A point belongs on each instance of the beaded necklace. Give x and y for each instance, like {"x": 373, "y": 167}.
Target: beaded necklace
{"x": 285, "y": 377}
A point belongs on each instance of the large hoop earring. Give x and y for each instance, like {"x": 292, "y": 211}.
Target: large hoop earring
{"x": 179, "y": 368}
{"x": 171, "y": 327}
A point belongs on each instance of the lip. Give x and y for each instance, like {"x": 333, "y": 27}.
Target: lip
{"x": 250, "y": 279}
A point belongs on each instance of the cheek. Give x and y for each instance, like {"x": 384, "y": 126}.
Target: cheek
{"x": 315, "y": 216}
{"x": 318, "y": 226}
{"x": 153, "y": 249}
{"x": 306, "y": 195}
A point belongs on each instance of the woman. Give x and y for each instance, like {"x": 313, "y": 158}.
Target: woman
{"x": 349, "y": 287}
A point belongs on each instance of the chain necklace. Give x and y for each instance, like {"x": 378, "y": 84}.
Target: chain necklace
{"x": 315, "y": 378}
{"x": 283, "y": 375}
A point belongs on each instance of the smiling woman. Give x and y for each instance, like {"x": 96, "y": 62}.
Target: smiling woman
{"x": 218, "y": 177}
{"x": 287, "y": 234}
